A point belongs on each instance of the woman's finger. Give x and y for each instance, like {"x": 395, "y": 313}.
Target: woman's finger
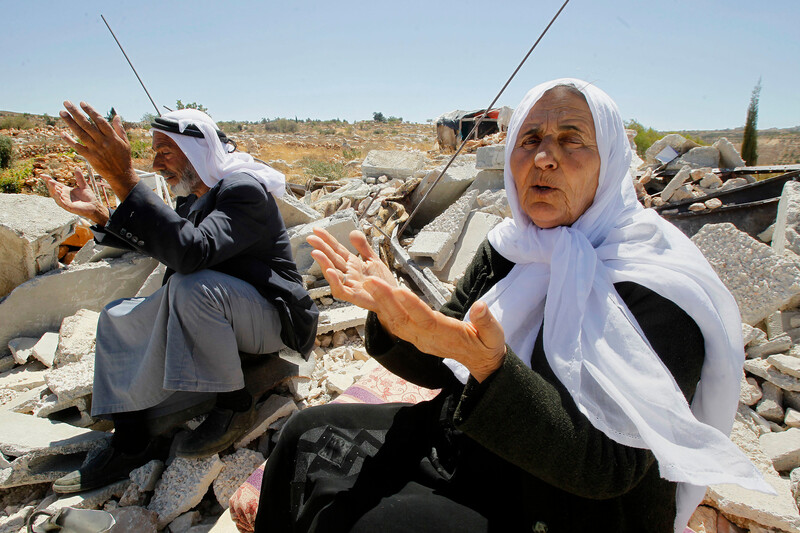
{"x": 489, "y": 330}
{"x": 360, "y": 243}
{"x": 389, "y": 308}
{"x": 319, "y": 242}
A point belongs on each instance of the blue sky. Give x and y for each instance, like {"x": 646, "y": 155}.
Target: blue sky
{"x": 671, "y": 64}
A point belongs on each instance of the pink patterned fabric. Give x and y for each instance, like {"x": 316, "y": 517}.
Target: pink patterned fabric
{"x": 379, "y": 386}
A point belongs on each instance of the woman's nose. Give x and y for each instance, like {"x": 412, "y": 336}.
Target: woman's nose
{"x": 545, "y": 158}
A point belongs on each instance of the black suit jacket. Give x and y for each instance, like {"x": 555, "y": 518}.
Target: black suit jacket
{"x": 235, "y": 228}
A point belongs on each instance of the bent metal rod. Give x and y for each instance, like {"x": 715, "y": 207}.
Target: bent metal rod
{"x": 480, "y": 118}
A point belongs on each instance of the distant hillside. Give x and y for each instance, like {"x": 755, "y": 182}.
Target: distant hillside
{"x": 775, "y": 146}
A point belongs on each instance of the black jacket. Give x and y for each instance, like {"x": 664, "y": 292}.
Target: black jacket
{"x": 235, "y": 228}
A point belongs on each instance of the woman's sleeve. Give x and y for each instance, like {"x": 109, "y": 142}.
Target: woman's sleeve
{"x": 529, "y": 418}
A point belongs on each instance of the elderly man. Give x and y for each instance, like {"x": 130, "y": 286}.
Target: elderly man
{"x": 231, "y": 285}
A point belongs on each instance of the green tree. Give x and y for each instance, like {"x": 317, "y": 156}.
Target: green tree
{"x": 750, "y": 140}
{"x": 111, "y": 114}
{"x": 6, "y": 151}
{"x": 192, "y": 105}
{"x": 377, "y": 116}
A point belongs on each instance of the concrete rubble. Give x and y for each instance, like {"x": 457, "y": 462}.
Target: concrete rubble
{"x": 45, "y": 400}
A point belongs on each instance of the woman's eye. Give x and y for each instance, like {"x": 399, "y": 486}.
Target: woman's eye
{"x": 530, "y": 141}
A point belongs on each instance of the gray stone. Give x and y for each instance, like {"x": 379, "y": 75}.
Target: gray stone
{"x": 400, "y": 164}
{"x": 40, "y": 304}
{"x": 72, "y": 380}
{"x": 492, "y": 157}
{"x": 770, "y": 406}
{"x": 339, "y": 318}
{"x": 22, "y": 348}
{"x": 182, "y": 486}
{"x": 43, "y": 437}
{"x": 153, "y": 282}
{"x": 786, "y": 235}
{"x": 752, "y": 335}
{"x": 778, "y": 345}
{"x": 23, "y": 378}
{"x": 766, "y": 235}
{"x": 699, "y": 157}
{"x": 733, "y": 183}
{"x": 184, "y": 522}
{"x": 134, "y": 520}
{"x": 728, "y": 155}
{"x": 437, "y": 240}
{"x": 488, "y": 180}
{"x": 50, "y": 404}
{"x": 774, "y": 323}
{"x": 238, "y": 467}
{"x": 792, "y": 418}
{"x": 684, "y": 192}
{"x": 45, "y": 349}
{"x": 273, "y": 408}
{"x": 294, "y": 212}
{"x": 760, "y": 280}
{"x": 763, "y": 369}
{"x": 339, "y": 225}
{"x": 31, "y": 229}
{"x": 710, "y": 181}
{"x": 147, "y": 476}
{"x": 749, "y": 391}
{"x": 788, "y": 364}
{"x": 783, "y": 449}
{"x": 76, "y": 337}
{"x": 745, "y": 506}
{"x": 677, "y": 142}
{"x": 676, "y": 182}
{"x": 791, "y": 399}
{"x": 455, "y": 181}
{"x": 494, "y": 203}
{"x": 478, "y": 225}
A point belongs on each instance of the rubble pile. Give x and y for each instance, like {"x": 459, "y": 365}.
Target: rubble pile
{"x": 48, "y": 322}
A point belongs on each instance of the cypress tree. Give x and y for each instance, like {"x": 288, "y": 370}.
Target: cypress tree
{"x": 750, "y": 140}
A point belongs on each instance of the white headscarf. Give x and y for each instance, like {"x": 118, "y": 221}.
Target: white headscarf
{"x": 566, "y": 275}
{"x": 211, "y": 159}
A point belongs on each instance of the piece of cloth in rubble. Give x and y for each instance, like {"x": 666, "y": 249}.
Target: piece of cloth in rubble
{"x": 163, "y": 351}
{"x": 212, "y": 160}
{"x": 564, "y": 277}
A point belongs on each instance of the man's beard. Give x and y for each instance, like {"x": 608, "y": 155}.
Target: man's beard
{"x": 188, "y": 180}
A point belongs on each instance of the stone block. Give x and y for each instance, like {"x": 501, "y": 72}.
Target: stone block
{"x": 182, "y": 486}
{"x": 339, "y": 318}
{"x": 703, "y": 520}
{"x": 134, "y": 520}
{"x": 294, "y": 212}
{"x": 761, "y": 280}
{"x": 478, "y": 225}
{"x": 764, "y": 369}
{"x": 338, "y": 383}
{"x": 745, "y": 506}
{"x": 677, "y": 142}
{"x": 237, "y": 468}
{"x": 699, "y": 157}
{"x": 22, "y": 348}
{"x": 676, "y": 182}
{"x": 492, "y": 157}
{"x": 728, "y": 155}
{"x": 33, "y": 308}
{"x": 749, "y": 391}
{"x": 43, "y": 436}
{"x": 788, "y": 364}
{"x": 786, "y": 235}
{"x": 340, "y": 224}
{"x": 50, "y": 404}
{"x": 437, "y": 240}
{"x": 31, "y": 229}
{"x": 770, "y": 405}
{"x": 147, "y": 476}
{"x": 72, "y": 380}
{"x": 783, "y": 449}
{"x": 76, "y": 337}
{"x": 777, "y": 345}
{"x": 488, "y": 180}
{"x": 459, "y": 176}
{"x": 23, "y": 378}
{"x": 400, "y": 164}
{"x": 733, "y": 183}
{"x": 45, "y": 349}
{"x": 774, "y": 324}
{"x": 273, "y": 408}
{"x": 792, "y": 418}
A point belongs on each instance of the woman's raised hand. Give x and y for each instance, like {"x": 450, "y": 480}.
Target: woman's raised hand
{"x": 367, "y": 282}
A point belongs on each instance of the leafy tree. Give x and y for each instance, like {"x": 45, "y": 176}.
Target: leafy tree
{"x": 377, "y": 116}
{"x": 6, "y": 150}
{"x": 192, "y": 105}
{"x": 111, "y": 114}
{"x": 147, "y": 118}
{"x": 750, "y": 140}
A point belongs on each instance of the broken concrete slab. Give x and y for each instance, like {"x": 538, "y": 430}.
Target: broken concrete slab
{"x": 31, "y": 229}
{"x": 294, "y": 212}
{"x": 728, "y": 156}
{"x": 23, "y": 378}
{"x": 31, "y": 310}
{"x": 153, "y": 282}
{"x": 134, "y": 520}
{"x": 72, "y": 380}
{"x": 436, "y": 241}
{"x": 782, "y": 448}
{"x": 43, "y": 436}
{"x": 92, "y": 252}
{"x": 788, "y": 364}
{"x": 478, "y": 225}
{"x": 761, "y": 280}
{"x": 677, "y": 142}
{"x": 399, "y": 164}
{"x": 50, "y": 404}
{"x": 675, "y": 183}
{"x": 45, "y": 349}
{"x": 340, "y": 224}
{"x": 699, "y": 157}
{"x": 749, "y": 391}
{"x": 273, "y": 408}
{"x": 182, "y": 486}
{"x": 451, "y": 186}
{"x": 76, "y": 336}
{"x": 786, "y": 235}
{"x": 22, "y": 348}
{"x": 770, "y": 405}
{"x": 763, "y": 369}
{"x": 339, "y": 318}
{"x": 492, "y": 157}
{"x": 777, "y": 345}
{"x": 238, "y": 467}
{"x": 148, "y": 475}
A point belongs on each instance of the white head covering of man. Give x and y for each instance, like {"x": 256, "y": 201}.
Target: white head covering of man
{"x": 565, "y": 277}
{"x": 211, "y": 158}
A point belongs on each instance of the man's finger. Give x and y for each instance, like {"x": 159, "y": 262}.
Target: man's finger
{"x": 116, "y": 123}
{"x": 80, "y": 181}
{"x": 78, "y": 147}
{"x": 79, "y": 124}
{"x": 99, "y": 121}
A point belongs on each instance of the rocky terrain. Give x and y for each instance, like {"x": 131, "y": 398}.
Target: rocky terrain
{"x": 54, "y": 280}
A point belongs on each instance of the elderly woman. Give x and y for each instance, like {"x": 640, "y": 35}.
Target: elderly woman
{"x": 568, "y": 358}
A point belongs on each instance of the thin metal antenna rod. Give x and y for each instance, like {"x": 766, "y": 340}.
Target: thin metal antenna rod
{"x": 131, "y": 64}
{"x": 480, "y": 118}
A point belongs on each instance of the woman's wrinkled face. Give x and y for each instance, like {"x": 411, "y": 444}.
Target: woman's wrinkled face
{"x": 555, "y": 161}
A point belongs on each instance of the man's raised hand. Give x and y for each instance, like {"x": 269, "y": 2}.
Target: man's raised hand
{"x": 78, "y": 200}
